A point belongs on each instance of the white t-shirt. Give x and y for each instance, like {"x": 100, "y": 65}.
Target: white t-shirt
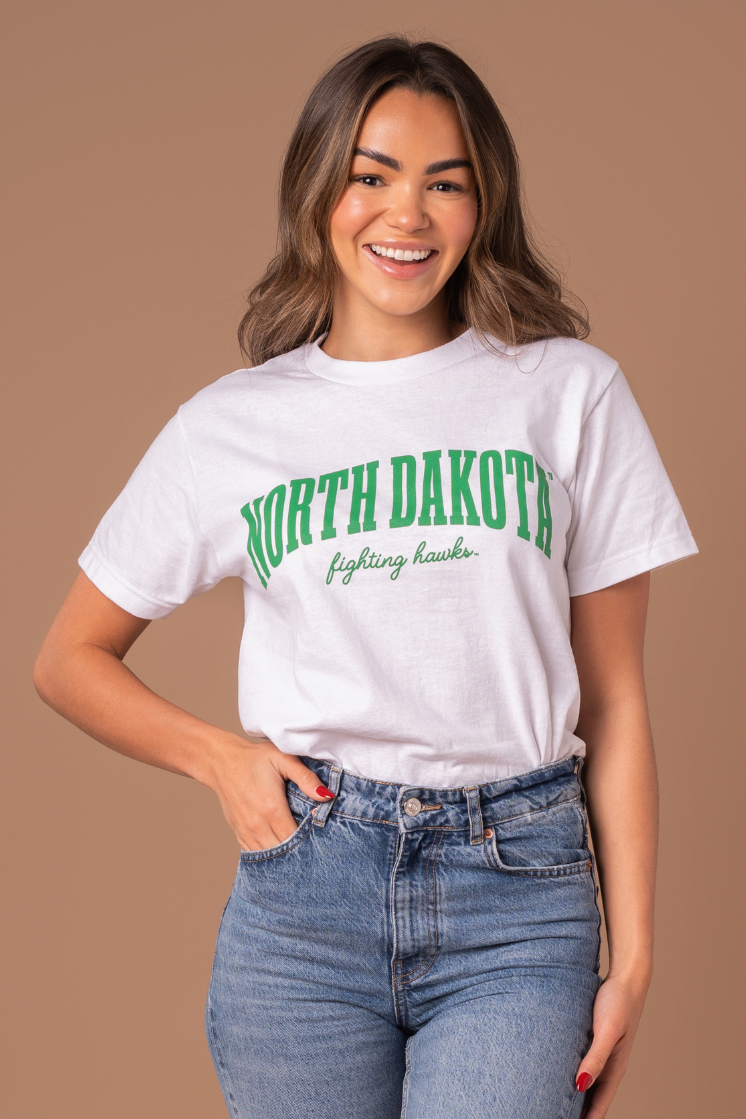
{"x": 409, "y": 534}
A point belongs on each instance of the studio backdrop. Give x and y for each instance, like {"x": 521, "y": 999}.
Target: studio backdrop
{"x": 141, "y": 148}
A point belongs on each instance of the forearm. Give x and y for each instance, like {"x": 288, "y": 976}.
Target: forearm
{"x": 80, "y": 673}
{"x": 621, "y": 785}
{"x": 94, "y": 689}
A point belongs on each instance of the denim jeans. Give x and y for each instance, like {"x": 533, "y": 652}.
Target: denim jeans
{"x": 412, "y": 953}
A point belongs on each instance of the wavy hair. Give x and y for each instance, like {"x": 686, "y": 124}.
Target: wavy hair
{"x": 502, "y": 287}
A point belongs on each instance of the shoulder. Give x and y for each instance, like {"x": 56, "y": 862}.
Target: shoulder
{"x": 573, "y": 357}
{"x": 561, "y": 370}
{"x": 565, "y": 358}
{"x": 235, "y": 392}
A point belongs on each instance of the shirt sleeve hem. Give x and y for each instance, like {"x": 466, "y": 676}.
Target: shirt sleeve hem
{"x": 618, "y": 568}
{"x": 110, "y": 584}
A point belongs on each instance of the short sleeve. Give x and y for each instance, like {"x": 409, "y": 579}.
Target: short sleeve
{"x": 149, "y": 554}
{"x": 626, "y": 517}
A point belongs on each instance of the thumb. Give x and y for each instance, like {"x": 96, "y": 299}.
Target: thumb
{"x": 292, "y": 768}
{"x": 595, "y": 1059}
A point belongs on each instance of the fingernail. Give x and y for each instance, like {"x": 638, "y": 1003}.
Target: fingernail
{"x": 322, "y": 791}
{"x": 584, "y": 1082}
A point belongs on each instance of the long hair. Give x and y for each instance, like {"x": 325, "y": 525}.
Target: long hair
{"x": 502, "y": 286}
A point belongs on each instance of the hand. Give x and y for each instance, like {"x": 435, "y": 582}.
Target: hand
{"x": 248, "y": 776}
{"x": 616, "y": 1015}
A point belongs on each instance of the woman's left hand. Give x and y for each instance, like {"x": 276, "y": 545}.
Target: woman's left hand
{"x": 616, "y": 1015}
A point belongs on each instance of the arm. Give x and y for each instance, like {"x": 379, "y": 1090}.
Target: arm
{"x": 608, "y": 628}
{"x": 80, "y": 672}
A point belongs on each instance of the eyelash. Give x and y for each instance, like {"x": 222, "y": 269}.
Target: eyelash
{"x": 443, "y": 182}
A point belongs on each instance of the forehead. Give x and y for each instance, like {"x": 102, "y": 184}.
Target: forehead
{"x": 402, "y": 122}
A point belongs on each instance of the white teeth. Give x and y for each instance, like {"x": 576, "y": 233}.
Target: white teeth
{"x": 401, "y": 254}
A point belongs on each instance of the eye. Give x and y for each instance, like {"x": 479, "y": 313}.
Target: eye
{"x": 447, "y": 188}
{"x": 367, "y": 180}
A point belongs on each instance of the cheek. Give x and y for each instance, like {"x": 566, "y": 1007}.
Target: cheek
{"x": 459, "y": 224}
{"x": 351, "y": 215}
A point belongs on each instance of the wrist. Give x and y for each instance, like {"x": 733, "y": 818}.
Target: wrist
{"x": 218, "y": 756}
{"x": 635, "y": 974}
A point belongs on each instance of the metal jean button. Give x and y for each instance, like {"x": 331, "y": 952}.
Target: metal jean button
{"x": 412, "y": 806}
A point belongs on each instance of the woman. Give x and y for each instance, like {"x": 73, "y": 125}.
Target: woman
{"x": 444, "y": 507}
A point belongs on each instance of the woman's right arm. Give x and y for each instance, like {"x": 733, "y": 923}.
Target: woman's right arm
{"x": 80, "y": 672}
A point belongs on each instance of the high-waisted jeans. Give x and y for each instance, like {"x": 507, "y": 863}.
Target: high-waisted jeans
{"x": 411, "y": 952}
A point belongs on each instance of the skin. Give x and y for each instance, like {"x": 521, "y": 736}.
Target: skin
{"x": 386, "y": 311}
{"x": 608, "y": 632}
{"x": 381, "y": 312}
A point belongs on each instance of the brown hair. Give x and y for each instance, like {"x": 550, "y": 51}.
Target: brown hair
{"x": 502, "y": 286}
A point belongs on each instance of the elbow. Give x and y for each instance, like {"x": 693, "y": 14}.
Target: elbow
{"x": 44, "y": 676}
{"x": 40, "y": 678}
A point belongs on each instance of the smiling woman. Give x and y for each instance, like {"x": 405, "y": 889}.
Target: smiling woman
{"x": 413, "y": 930}
{"x": 404, "y": 220}
{"x": 401, "y": 146}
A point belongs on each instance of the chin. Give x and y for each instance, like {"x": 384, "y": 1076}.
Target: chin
{"x": 398, "y": 303}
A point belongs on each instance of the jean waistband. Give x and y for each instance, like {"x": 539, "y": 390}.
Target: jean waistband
{"x": 472, "y": 808}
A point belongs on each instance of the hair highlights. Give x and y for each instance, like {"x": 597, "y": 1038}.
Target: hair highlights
{"x": 502, "y": 287}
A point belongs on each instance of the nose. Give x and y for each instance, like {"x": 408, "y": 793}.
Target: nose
{"x": 407, "y": 211}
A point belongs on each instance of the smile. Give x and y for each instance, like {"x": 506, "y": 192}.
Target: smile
{"x": 401, "y": 254}
{"x": 402, "y": 263}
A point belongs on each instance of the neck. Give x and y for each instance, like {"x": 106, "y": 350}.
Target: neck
{"x": 364, "y": 333}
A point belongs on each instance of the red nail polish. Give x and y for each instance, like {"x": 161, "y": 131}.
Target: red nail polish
{"x": 322, "y": 791}
{"x": 584, "y": 1082}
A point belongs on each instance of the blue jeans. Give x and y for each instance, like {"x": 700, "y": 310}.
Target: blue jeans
{"x": 414, "y": 953}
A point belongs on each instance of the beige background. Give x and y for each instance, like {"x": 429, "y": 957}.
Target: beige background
{"x": 141, "y": 151}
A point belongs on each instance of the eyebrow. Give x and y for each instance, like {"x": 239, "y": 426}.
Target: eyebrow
{"x": 395, "y": 165}
{"x": 446, "y": 165}
{"x": 379, "y": 157}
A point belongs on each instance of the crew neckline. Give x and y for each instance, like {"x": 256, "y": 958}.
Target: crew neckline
{"x": 394, "y": 371}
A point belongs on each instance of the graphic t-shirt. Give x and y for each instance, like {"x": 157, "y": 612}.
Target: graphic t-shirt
{"x": 409, "y": 534}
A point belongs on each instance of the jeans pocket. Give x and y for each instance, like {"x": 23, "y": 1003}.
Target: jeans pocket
{"x": 304, "y": 820}
{"x": 546, "y": 843}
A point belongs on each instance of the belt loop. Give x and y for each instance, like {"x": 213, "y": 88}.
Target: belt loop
{"x": 334, "y": 780}
{"x": 475, "y": 814}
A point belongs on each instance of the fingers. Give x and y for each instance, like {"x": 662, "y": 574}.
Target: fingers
{"x": 605, "y": 1088}
{"x": 601, "y": 1098}
{"x": 250, "y": 782}
{"x": 292, "y": 767}
{"x": 276, "y": 822}
{"x": 604, "y": 1064}
{"x": 600, "y": 1093}
{"x": 258, "y": 829}
{"x": 261, "y": 833}
{"x": 595, "y": 1059}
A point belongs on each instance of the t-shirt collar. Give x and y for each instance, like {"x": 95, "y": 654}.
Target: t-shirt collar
{"x": 372, "y": 373}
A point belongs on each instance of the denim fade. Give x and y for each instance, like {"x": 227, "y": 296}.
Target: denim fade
{"x": 392, "y": 959}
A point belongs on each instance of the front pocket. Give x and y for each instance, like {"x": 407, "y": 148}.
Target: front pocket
{"x": 305, "y": 823}
{"x": 550, "y": 842}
